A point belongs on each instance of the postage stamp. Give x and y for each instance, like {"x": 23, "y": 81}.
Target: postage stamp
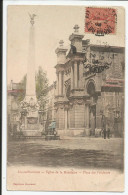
{"x": 100, "y": 21}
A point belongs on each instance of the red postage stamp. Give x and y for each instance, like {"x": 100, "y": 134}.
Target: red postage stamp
{"x": 100, "y": 21}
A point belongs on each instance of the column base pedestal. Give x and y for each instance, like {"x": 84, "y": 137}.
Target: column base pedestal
{"x": 32, "y": 133}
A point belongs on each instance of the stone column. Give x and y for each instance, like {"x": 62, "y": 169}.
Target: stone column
{"x": 80, "y": 75}
{"x": 72, "y": 78}
{"x": 25, "y": 122}
{"x": 57, "y": 83}
{"x": 98, "y": 114}
{"x": 66, "y": 119}
{"x": 30, "y": 84}
{"x": 75, "y": 75}
{"x": 38, "y": 118}
{"x": 87, "y": 115}
{"x": 87, "y": 129}
{"x": 60, "y": 82}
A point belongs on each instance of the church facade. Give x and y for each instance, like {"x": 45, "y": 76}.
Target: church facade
{"x": 89, "y": 85}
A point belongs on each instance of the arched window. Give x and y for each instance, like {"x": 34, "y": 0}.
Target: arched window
{"x": 91, "y": 88}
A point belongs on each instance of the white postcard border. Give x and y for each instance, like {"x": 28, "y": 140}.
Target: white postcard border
{"x": 4, "y": 89}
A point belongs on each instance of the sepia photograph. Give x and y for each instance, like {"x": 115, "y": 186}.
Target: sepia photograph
{"x": 65, "y": 98}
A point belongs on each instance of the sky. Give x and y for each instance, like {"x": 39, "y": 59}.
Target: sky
{"x": 52, "y": 24}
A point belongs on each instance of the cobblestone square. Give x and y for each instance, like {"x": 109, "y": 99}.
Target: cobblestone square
{"x": 76, "y": 153}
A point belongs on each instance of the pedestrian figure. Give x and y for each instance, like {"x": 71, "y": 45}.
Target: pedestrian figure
{"x": 108, "y": 130}
{"x": 104, "y": 126}
{"x": 108, "y": 133}
{"x": 104, "y": 133}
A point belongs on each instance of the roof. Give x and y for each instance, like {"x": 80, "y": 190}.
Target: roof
{"x": 115, "y": 80}
{"x": 16, "y": 86}
{"x": 112, "y": 85}
{"x": 104, "y": 48}
{"x": 15, "y": 91}
{"x": 111, "y": 88}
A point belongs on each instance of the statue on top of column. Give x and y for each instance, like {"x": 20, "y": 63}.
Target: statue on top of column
{"x": 32, "y": 16}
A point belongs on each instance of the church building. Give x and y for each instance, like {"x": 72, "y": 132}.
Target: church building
{"x": 89, "y": 85}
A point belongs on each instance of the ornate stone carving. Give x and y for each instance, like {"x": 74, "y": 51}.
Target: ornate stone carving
{"x": 32, "y": 120}
{"x": 67, "y": 71}
{"x": 67, "y": 83}
{"x": 30, "y": 106}
{"x": 66, "y": 106}
{"x": 67, "y": 87}
{"x": 79, "y": 101}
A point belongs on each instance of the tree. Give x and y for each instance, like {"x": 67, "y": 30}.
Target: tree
{"x": 21, "y": 93}
{"x": 41, "y": 86}
{"x": 41, "y": 83}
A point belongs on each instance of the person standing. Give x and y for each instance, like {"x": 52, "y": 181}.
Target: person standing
{"x": 108, "y": 130}
{"x": 104, "y": 126}
{"x": 108, "y": 133}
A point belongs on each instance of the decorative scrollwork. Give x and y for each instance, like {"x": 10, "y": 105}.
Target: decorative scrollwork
{"x": 79, "y": 101}
{"x": 32, "y": 105}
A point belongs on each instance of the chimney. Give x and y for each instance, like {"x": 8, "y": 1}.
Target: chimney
{"x": 76, "y": 39}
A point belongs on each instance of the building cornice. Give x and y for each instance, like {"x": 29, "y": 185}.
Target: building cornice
{"x": 73, "y": 35}
{"x": 105, "y": 48}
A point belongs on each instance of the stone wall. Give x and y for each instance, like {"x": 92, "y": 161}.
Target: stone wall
{"x": 79, "y": 116}
{"x": 60, "y": 119}
{"x": 72, "y": 117}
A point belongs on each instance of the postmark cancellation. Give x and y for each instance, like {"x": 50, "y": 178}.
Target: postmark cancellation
{"x": 100, "y": 21}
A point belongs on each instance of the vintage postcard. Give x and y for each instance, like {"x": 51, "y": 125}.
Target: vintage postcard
{"x": 65, "y": 98}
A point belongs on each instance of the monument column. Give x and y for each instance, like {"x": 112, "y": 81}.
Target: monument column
{"x": 29, "y": 105}
{"x": 30, "y": 84}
